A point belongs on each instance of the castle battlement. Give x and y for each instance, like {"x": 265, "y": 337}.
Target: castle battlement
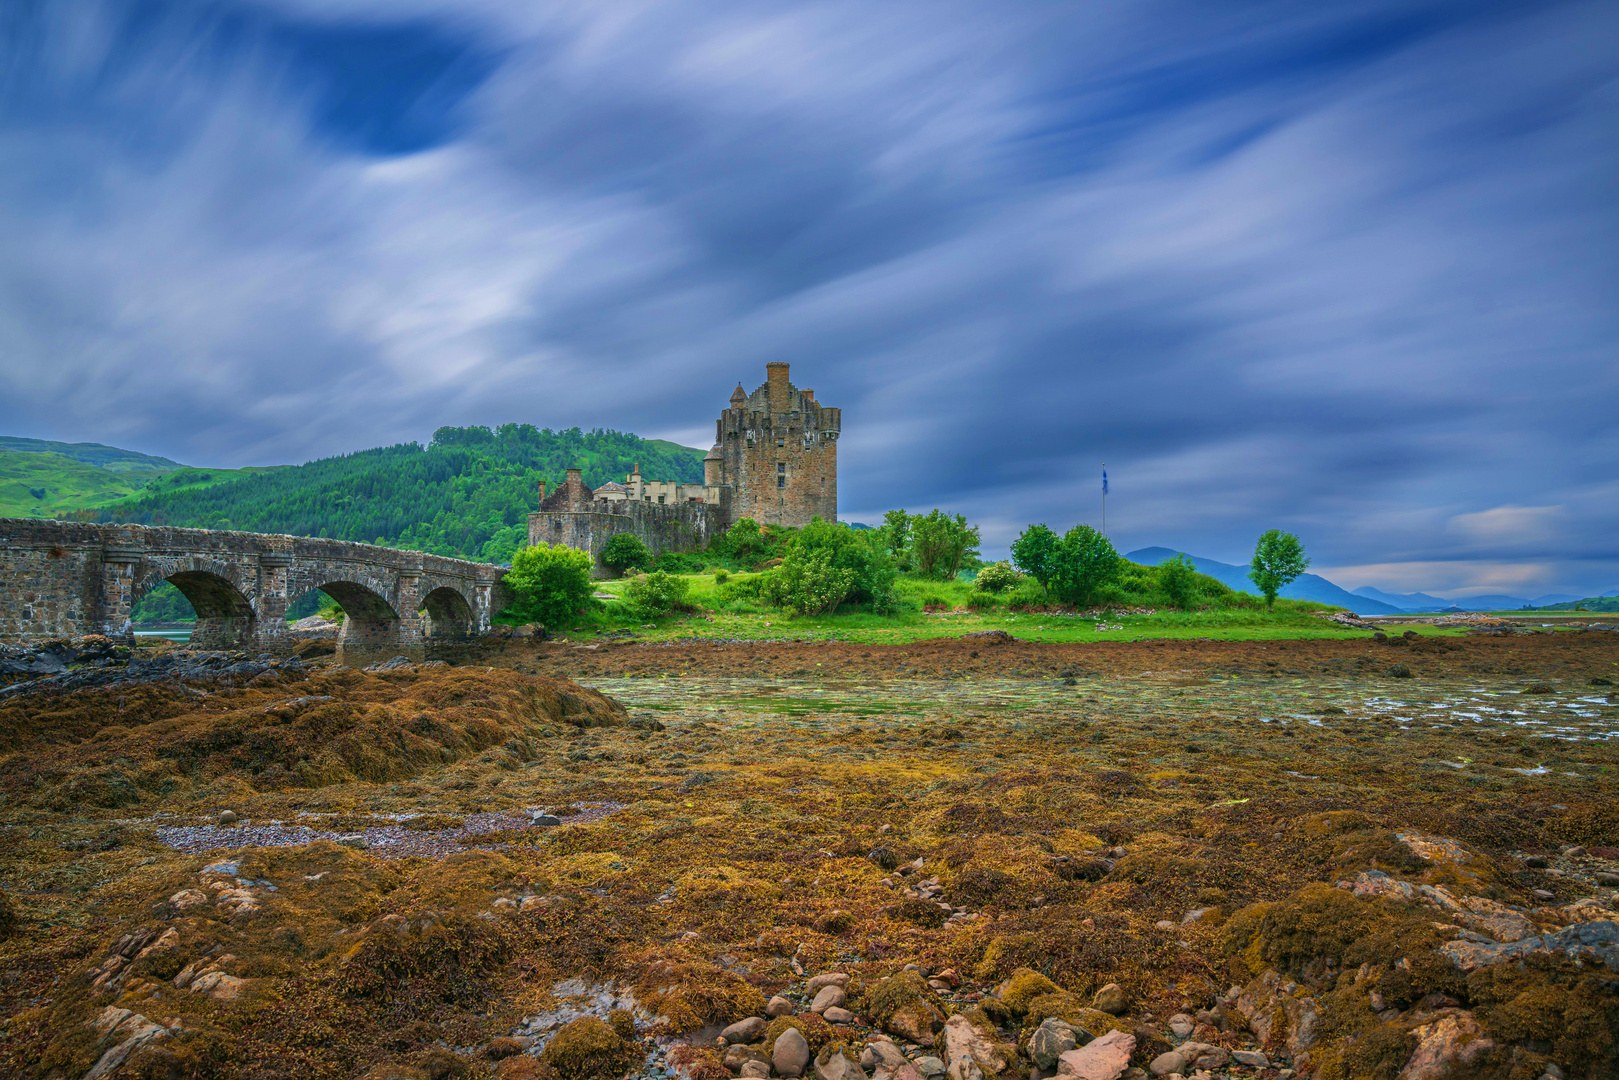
{"x": 774, "y": 459}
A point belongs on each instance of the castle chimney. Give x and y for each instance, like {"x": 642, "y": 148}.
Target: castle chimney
{"x": 542, "y": 489}
{"x": 776, "y": 376}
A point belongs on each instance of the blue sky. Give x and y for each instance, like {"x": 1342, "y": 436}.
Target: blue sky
{"x": 1346, "y": 269}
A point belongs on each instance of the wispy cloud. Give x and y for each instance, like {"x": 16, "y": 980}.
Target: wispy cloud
{"x": 1347, "y": 269}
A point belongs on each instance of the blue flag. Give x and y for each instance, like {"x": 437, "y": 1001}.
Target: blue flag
{"x": 1104, "y": 479}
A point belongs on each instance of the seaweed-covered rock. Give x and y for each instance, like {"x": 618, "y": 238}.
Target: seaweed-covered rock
{"x": 836, "y": 1062}
{"x": 905, "y": 1006}
{"x": 963, "y": 1043}
{"x": 588, "y": 1049}
{"x": 1023, "y": 987}
{"x": 1443, "y": 1045}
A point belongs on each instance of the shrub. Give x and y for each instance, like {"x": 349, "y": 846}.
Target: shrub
{"x": 720, "y": 577}
{"x": 1085, "y": 560}
{"x": 979, "y": 601}
{"x": 860, "y": 552}
{"x": 681, "y": 562}
{"x": 997, "y": 577}
{"x": 625, "y": 550}
{"x": 808, "y": 583}
{"x": 1178, "y": 579}
{"x": 552, "y": 584}
{"x": 657, "y": 594}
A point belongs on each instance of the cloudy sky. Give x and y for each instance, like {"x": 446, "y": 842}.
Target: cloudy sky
{"x": 1347, "y": 269}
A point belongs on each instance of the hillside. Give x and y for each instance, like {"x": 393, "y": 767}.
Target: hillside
{"x": 1307, "y": 587}
{"x": 468, "y": 493}
{"x": 110, "y": 458}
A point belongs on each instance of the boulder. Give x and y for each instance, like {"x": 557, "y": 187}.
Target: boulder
{"x": 837, "y": 1014}
{"x": 831, "y": 978}
{"x": 739, "y": 1054}
{"x": 1105, "y": 1058}
{"x": 755, "y": 1070}
{"x": 1052, "y": 1039}
{"x": 882, "y": 1053}
{"x": 827, "y": 997}
{"x": 1269, "y": 1003}
{"x": 835, "y": 1063}
{"x": 779, "y": 1006}
{"x": 1445, "y": 1044}
{"x": 963, "y": 1043}
{"x": 744, "y": 1031}
{"x": 791, "y": 1054}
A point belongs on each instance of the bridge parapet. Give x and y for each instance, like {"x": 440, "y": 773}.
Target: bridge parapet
{"x": 66, "y": 578}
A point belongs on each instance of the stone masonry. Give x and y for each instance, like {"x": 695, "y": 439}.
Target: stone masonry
{"x": 774, "y": 459}
{"x": 65, "y": 578}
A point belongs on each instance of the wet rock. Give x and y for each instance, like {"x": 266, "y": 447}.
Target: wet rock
{"x": 831, "y": 978}
{"x": 228, "y": 817}
{"x": 881, "y": 1052}
{"x": 1050, "y": 1041}
{"x": 791, "y": 1054}
{"x": 779, "y": 1006}
{"x": 1104, "y": 1059}
{"x": 837, "y": 1014}
{"x": 1181, "y": 1026}
{"x": 755, "y": 1070}
{"x": 1251, "y": 1058}
{"x": 827, "y": 997}
{"x": 929, "y": 1066}
{"x": 745, "y": 1031}
{"x": 1443, "y": 1045}
{"x": 1111, "y": 999}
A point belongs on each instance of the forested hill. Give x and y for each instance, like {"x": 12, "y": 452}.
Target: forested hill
{"x": 468, "y": 493}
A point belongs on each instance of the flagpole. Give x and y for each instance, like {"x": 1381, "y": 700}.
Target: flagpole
{"x": 1104, "y": 500}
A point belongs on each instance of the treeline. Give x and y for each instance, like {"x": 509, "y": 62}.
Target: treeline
{"x": 467, "y": 494}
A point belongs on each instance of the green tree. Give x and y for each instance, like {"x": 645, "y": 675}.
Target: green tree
{"x": 863, "y": 553}
{"x": 740, "y": 540}
{"x": 1178, "y": 578}
{"x": 1279, "y": 558}
{"x": 941, "y": 543}
{"x": 655, "y": 595}
{"x": 1035, "y": 553}
{"x": 624, "y": 550}
{"x": 552, "y": 584}
{"x": 895, "y": 535}
{"x": 1084, "y": 561}
{"x": 808, "y": 583}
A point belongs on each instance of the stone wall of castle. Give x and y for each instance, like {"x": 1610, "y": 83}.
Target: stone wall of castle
{"x": 573, "y": 516}
{"x": 776, "y": 449}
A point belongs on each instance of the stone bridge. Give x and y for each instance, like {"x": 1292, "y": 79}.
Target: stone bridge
{"x": 66, "y": 578}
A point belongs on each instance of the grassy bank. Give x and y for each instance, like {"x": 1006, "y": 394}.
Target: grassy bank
{"x": 721, "y": 614}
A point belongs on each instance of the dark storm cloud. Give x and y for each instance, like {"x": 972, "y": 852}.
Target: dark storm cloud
{"x": 1349, "y": 271}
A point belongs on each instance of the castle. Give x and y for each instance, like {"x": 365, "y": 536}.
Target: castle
{"x": 774, "y": 459}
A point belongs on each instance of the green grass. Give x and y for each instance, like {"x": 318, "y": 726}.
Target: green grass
{"x": 1291, "y": 620}
{"x": 45, "y": 483}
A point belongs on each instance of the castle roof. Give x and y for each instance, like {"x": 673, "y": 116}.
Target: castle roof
{"x": 715, "y": 453}
{"x": 738, "y": 396}
{"x": 612, "y": 485}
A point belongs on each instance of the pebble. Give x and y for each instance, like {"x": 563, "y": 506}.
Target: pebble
{"x": 779, "y": 1006}
{"x": 1111, "y": 999}
{"x": 929, "y": 1066}
{"x": 836, "y": 1015}
{"x": 228, "y": 817}
{"x": 1251, "y": 1058}
{"x": 831, "y": 978}
{"x": 1182, "y": 1025}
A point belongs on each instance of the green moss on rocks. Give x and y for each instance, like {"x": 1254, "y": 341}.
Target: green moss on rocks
{"x": 894, "y": 993}
{"x": 1024, "y": 986}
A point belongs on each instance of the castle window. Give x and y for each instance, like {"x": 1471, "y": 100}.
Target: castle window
{"x": 781, "y": 443}
{"x": 660, "y": 498}
{"x": 781, "y": 481}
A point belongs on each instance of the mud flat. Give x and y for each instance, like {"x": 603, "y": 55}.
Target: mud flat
{"x": 1232, "y": 859}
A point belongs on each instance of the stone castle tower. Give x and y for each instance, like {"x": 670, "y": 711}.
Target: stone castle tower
{"x": 776, "y": 450}
{"x": 775, "y": 460}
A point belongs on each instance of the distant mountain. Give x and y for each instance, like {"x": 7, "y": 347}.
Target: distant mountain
{"x": 102, "y": 457}
{"x": 1492, "y": 602}
{"x": 1307, "y": 587}
{"x": 1405, "y": 601}
{"x": 1555, "y": 598}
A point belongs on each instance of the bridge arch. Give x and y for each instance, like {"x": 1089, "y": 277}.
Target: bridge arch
{"x": 448, "y": 615}
{"x": 370, "y": 619}
{"x": 226, "y": 618}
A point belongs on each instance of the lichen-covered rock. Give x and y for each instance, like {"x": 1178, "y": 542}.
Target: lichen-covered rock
{"x": 1271, "y": 1007}
{"x": 963, "y": 1043}
{"x": 1444, "y": 1044}
{"x": 835, "y": 1062}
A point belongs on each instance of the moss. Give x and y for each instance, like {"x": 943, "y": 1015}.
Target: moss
{"x": 1073, "y": 1010}
{"x": 588, "y": 1049}
{"x": 1024, "y": 986}
{"x": 894, "y": 993}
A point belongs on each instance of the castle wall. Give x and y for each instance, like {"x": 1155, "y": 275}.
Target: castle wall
{"x": 678, "y": 527}
{"x": 779, "y": 454}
